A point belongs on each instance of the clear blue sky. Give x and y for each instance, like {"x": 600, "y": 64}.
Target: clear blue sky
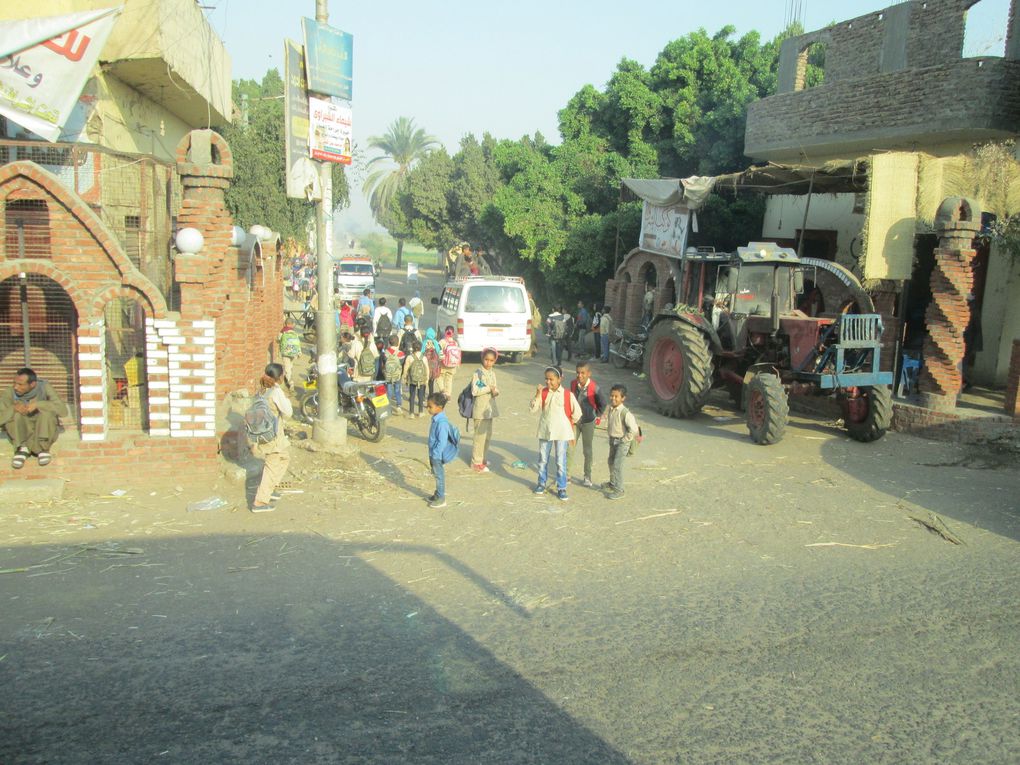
{"x": 508, "y": 67}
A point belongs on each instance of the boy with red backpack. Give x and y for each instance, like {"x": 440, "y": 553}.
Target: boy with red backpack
{"x": 593, "y": 403}
{"x": 558, "y": 412}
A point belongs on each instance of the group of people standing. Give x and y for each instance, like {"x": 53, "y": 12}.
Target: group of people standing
{"x": 568, "y": 333}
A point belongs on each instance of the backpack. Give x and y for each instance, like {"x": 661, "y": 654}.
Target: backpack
{"x": 433, "y": 361}
{"x": 592, "y": 388}
{"x": 596, "y": 321}
{"x": 419, "y": 373}
{"x": 393, "y": 368}
{"x": 466, "y": 402}
{"x": 559, "y": 328}
{"x": 454, "y": 440}
{"x": 451, "y": 355}
{"x": 364, "y": 308}
{"x": 636, "y": 441}
{"x": 260, "y": 422}
{"x": 384, "y": 327}
{"x": 366, "y": 363}
{"x": 566, "y": 402}
{"x": 290, "y": 344}
{"x": 405, "y": 341}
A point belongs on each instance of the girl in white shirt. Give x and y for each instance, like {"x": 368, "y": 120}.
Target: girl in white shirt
{"x": 558, "y": 411}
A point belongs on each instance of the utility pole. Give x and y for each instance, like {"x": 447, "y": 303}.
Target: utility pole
{"x": 329, "y": 429}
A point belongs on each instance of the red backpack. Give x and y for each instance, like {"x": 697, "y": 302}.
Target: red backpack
{"x": 433, "y": 361}
{"x": 591, "y": 393}
{"x": 566, "y": 402}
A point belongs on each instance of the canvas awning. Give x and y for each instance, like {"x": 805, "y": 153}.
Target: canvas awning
{"x": 849, "y": 177}
{"x": 666, "y": 192}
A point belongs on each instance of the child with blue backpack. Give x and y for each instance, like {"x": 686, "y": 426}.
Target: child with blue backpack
{"x": 444, "y": 442}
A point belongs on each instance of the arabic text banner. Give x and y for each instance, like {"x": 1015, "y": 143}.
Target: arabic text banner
{"x": 329, "y": 134}
{"x": 40, "y": 84}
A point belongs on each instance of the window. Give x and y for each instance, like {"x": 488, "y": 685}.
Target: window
{"x": 754, "y": 291}
{"x": 28, "y": 228}
{"x": 133, "y": 238}
{"x": 362, "y": 269}
{"x": 483, "y": 298}
{"x": 451, "y": 299}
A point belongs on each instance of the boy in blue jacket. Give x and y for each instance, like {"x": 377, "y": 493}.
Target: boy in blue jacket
{"x": 444, "y": 440}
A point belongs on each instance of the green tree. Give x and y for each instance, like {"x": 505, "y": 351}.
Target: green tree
{"x": 257, "y": 193}
{"x": 402, "y": 145}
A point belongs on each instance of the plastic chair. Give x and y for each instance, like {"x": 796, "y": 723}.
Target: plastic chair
{"x": 910, "y": 369}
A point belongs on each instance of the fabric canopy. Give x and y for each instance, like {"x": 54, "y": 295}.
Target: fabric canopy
{"x": 666, "y": 192}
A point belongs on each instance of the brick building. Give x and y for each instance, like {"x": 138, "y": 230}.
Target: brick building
{"x": 899, "y": 98}
{"x": 142, "y": 342}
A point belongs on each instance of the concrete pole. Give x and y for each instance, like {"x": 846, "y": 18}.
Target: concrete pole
{"x": 329, "y": 430}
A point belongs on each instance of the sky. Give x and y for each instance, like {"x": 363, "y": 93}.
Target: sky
{"x": 460, "y": 67}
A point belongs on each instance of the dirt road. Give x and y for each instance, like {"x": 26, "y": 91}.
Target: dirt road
{"x": 742, "y": 604}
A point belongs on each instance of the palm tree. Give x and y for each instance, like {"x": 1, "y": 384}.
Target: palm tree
{"x": 402, "y": 145}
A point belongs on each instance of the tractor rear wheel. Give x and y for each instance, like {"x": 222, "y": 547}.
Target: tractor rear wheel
{"x": 678, "y": 365}
{"x": 873, "y": 418}
{"x": 767, "y": 409}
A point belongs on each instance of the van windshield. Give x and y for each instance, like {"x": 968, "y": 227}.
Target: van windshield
{"x": 494, "y": 298}
{"x": 356, "y": 268}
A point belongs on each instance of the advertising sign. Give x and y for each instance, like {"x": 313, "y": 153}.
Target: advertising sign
{"x": 329, "y": 134}
{"x": 302, "y": 174}
{"x": 329, "y": 56}
{"x": 664, "y": 229}
{"x": 44, "y": 63}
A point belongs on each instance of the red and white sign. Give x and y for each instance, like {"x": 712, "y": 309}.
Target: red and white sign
{"x": 330, "y": 137}
{"x": 44, "y": 64}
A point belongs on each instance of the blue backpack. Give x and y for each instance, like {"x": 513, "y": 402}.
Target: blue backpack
{"x": 260, "y": 422}
{"x": 451, "y": 454}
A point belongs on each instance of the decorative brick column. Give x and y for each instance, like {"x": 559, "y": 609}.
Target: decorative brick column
{"x": 1013, "y": 383}
{"x": 635, "y": 306}
{"x": 948, "y": 313}
{"x": 92, "y": 379}
{"x": 157, "y": 377}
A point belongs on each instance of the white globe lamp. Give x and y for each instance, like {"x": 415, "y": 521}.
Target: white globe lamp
{"x": 189, "y": 241}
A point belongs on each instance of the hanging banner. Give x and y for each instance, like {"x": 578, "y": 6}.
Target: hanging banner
{"x": 44, "y": 64}
{"x": 329, "y": 57}
{"x": 664, "y": 229}
{"x": 302, "y": 173}
{"x": 329, "y": 134}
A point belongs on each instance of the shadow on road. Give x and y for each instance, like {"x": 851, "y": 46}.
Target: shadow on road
{"x": 273, "y": 649}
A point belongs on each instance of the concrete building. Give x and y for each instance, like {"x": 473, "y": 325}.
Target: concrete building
{"x": 898, "y": 95}
{"x": 142, "y": 342}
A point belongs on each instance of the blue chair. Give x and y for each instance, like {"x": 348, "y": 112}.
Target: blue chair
{"x": 910, "y": 369}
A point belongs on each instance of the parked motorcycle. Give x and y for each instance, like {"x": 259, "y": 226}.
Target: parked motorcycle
{"x": 628, "y": 349}
{"x": 364, "y": 403}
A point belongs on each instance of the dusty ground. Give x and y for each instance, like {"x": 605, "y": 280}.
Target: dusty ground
{"x": 742, "y": 604}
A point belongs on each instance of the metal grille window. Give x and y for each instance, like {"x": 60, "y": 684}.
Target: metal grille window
{"x": 133, "y": 238}
{"x": 38, "y": 329}
{"x": 125, "y": 365}
{"x": 27, "y": 223}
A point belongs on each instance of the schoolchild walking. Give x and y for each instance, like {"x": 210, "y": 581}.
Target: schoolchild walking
{"x": 449, "y": 361}
{"x": 416, "y": 375}
{"x": 606, "y": 332}
{"x": 558, "y": 411}
{"x": 592, "y": 401}
{"x": 432, "y": 351}
{"x": 366, "y": 355}
{"x": 393, "y": 372}
{"x": 444, "y": 441}
{"x": 289, "y": 343}
{"x": 622, "y": 429}
{"x": 272, "y": 447}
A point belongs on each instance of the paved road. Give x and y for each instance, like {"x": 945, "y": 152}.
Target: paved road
{"x": 743, "y": 604}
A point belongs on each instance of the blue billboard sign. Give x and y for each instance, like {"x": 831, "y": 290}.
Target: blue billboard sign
{"x": 329, "y": 55}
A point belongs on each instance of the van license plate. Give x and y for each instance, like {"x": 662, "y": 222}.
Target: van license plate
{"x": 495, "y": 330}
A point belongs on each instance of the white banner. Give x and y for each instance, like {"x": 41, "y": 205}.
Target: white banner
{"x": 664, "y": 229}
{"x": 329, "y": 130}
{"x": 44, "y": 64}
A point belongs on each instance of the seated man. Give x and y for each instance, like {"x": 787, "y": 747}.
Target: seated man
{"x": 28, "y": 412}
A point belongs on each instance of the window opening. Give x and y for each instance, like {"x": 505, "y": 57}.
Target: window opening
{"x": 125, "y": 365}
{"x": 27, "y": 224}
{"x": 984, "y": 32}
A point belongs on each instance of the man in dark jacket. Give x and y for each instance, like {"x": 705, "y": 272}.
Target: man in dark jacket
{"x": 29, "y": 413}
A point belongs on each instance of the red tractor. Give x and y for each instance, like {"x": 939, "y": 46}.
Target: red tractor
{"x": 741, "y": 322}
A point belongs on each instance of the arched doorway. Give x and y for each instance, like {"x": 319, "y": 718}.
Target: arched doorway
{"x": 125, "y": 365}
{"x": 39, "y": 329}
{"x": 648, "y": 277}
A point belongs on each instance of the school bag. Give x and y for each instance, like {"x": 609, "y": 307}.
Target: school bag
{"x": 466, "y": 402}
{"x": 592, "y": 388}
{"x": 596, "y": 321}
{"x": 385, "y": 327}
{"x": 290, "y": 344}
{"x": 451, "y": 454}
{"x": 451, "y": 355}
{"x": 366, "y": 363}
{"x": 405, "y": 340}
{"x": 559, "y": 328}
{"x": 392, "y": 368}
{"x": 433, "y": 361}
{"x": 636, "y": 441}
{"x": 419, "y": 374}
{"x": 259, "y": 421}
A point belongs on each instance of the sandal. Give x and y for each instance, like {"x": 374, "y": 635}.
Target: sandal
{"x": 44, "y": 459}
{"x": 20, "y": 455}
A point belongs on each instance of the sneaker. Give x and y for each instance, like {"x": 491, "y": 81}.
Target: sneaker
{"x": 432, "y": 497}
{"x": 275, "y": 497}
{"x": 607, "y": 486}
{"x": 263, "y": 508}
{"x": 538, "y": 491}
{"x": 480, "y": 468}
{"x": 561, "y": 495}
{"x": 587, "y": 483}
{"x": 437, "y": 503}
{"x": 615, "y": 494}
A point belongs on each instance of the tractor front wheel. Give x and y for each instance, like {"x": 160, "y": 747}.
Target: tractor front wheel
{"x": 767, "y": 409}
{"x": 868, "y": 420}
{"x": 678, "y": 365}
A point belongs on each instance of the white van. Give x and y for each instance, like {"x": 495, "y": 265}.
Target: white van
{"x": 487, "y": 312}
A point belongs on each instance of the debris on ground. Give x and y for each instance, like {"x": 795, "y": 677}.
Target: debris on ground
{"x": 935, "y": 525}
